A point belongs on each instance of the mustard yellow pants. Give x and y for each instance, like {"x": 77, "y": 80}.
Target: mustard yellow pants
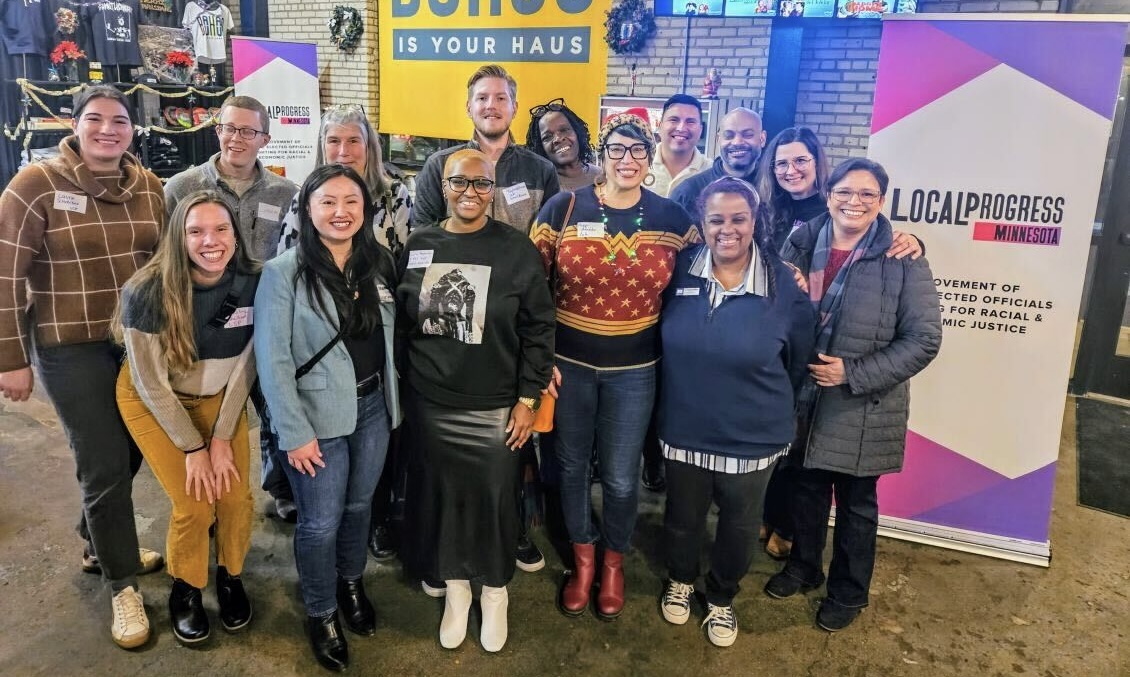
{"x": 186, "y": 546}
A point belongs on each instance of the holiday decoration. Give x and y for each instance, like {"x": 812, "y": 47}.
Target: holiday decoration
{"x": 345, "y": 28}
{"x": 629, "y": 26}
{"x": 711, "y": 83}
{"x": 66, "y": 20}
{"x": 66, "y": 54}
{"x": 181, "y": 62}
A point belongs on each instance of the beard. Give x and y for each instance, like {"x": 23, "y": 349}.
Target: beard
{"x": 742, "y": 166}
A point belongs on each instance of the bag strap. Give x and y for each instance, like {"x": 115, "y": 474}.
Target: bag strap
{"x": 557, "y": 247}
{"x": 305, "y": 369}
{"x": 229, "y": 305}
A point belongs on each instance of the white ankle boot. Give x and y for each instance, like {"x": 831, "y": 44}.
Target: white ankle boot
{"x": 456, "y": 607}
{"x": 494, "y": 602}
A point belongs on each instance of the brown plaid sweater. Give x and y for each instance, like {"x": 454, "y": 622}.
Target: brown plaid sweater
{"x": 69, "y": 240}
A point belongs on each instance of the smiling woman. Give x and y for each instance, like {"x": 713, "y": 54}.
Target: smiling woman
{"x": 186, "y": 325}
{"x": 72, "y": 229}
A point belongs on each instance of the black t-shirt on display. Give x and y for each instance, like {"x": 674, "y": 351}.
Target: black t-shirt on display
{"x": 165, "y": 13}
{"x": 113, "y": 31}
{"x": 26, "y": 27}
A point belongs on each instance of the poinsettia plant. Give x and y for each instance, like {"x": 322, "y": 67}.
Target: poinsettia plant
{"x": 66, "y": 50}
{"x": 178, "y": 58}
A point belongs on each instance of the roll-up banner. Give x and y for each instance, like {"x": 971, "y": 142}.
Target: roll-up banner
{"x": 994, "y": 132}
{"x": 283, "y": 76}
{"x": 428, "y": 50}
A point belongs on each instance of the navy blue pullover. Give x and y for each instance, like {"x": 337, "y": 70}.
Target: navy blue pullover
{"x": 730, "y": 374}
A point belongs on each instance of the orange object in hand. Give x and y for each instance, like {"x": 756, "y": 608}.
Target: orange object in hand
{"x": 543, "y": 420}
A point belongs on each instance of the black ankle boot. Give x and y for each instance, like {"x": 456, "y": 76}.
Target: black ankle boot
{"x": 186, "y": 611}
{"x": 235, "y": 607}
{"x": 328, "y": 642}
{"x": 358, "y": 612}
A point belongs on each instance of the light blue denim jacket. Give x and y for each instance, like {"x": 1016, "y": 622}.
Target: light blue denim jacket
{"x": 323, "y": 403}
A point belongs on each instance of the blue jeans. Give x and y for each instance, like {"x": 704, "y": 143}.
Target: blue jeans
{"x": 334, "y": 505}
{"x": 612, "y": 410}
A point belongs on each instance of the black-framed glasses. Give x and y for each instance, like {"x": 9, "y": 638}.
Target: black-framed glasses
{"x": 782, "y": 166}
{"x": 459, "y": 184}
{"x": 551, "y": 107}
{"x": 616, "y": 151}
{"x": 867, "y": 197}
{"x": 245, "y": 133}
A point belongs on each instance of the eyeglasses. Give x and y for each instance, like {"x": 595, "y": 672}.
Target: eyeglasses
{"x": 782, "y": 166}
{"x": 616, "y": 151}
{"x": 459, "y": 184}
{"x": 245, "y": 133}
{"x": 551, "y": 107}
{"x": 867, "y": 197}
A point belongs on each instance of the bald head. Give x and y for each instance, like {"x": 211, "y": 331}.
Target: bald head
{"x": 740, "y": 140}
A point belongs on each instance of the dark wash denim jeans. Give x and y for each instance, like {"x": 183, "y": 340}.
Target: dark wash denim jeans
{"x": 610, "y": 409}
{"x": 80, "y": 379}
{"x": 853, "y": 541}
{"x": 334, "y": 505}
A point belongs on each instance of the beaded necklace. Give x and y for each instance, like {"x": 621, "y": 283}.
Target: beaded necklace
{"x": 611, "y": 259}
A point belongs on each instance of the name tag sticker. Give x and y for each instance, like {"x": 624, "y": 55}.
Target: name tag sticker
{"x": 687, "y": 291}
{"x": 70, "y": 202}
{"x": 420, "y": 258}
{"x": 590, "y": 229}
{"x": 269, "y": 212}
{"x": 242, "y": 317}
{"x": 384, "y": 293}
{"x": 516, "y": 193}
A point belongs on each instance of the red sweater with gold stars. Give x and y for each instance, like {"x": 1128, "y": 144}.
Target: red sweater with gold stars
{"x": 610, "y": 277}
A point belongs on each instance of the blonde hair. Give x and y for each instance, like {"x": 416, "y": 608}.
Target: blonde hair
{"x": 467, "y": 154}
{"x": 493, "y": 70}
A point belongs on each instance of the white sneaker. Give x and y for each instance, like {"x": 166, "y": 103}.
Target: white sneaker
{"x": 494, "y": 602}
{"x": 721, "y": 625}
{"x": 131, "y": 626}
{"x": 676, "y": 602}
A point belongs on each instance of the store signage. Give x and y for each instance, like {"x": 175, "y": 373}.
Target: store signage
{"x": 962, "y": 112}
{"x": 553, "y": 48}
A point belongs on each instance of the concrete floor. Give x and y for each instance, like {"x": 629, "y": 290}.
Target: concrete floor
{"x": 933, "y": 611}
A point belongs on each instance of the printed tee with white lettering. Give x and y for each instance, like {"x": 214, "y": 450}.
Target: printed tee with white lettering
{"x": 113, "y": 31}
{"x": 209, "y": 25}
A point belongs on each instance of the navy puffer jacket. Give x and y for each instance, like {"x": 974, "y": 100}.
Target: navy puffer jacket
{"x": 889, "y": 328}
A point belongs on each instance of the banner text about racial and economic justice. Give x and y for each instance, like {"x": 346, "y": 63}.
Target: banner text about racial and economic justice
{"x": 429, "y": 48}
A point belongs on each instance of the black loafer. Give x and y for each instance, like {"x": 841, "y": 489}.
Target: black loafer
{"x": 782, "y": 585}
{"x": 186, "y": 611}
{"x": 356, "y": 609}
{"x": 654, "y": 477}
{"x": 235, "y": 607}
{"x": 381, "y": 544}
{"x": 328, "y": 642}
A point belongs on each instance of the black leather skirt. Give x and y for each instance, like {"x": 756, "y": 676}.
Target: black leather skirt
{"x": 462, "y": 504}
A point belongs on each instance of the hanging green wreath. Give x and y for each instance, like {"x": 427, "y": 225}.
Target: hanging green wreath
{"x": 345, "y": 28}
{"x": 629, "y": 26}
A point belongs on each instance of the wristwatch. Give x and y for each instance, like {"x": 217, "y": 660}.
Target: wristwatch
{"x": 534, "y": 403}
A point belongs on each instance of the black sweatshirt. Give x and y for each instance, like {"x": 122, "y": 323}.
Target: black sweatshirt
{"x": 477, "y": 316}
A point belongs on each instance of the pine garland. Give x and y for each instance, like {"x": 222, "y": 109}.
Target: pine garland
{"x": 345, "y": 28}
{"x": 629, "y": 26}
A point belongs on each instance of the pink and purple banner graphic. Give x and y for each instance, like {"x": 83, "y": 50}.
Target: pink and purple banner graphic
{"x": 284, "y": 77}
{"x": 994, "y": 132}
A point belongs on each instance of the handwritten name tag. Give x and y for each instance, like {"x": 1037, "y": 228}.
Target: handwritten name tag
{"x": 384, "y": 293}
{"x": 70, "y": 202}
{"x": 242, "y": 317}
{"x": 420, "y": 258}
{"x": 269, "y": 212}
{"x": 590, "y": 229}
{"x": 516, "y": 193}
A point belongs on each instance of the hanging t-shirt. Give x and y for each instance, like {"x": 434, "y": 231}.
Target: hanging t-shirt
{"x": 113, "y": 31}
{"x": 23, "y": 27}
{"x": 209, "y": 26}
{"x": 165, "y": 13}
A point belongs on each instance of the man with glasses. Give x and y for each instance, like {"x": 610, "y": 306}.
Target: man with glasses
{"x": 260, "y": 199}
{"x": 740, "y": 140}
{"x": 524, "y": 180}
{"x": 678, "y": 157}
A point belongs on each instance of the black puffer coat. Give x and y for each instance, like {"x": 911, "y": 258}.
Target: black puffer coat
{"x": 889, "y": 328}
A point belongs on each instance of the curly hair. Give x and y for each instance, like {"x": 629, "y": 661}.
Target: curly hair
{"x": 585, "y": 153}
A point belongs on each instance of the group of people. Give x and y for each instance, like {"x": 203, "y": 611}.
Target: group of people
{"x": 743, "y": 329}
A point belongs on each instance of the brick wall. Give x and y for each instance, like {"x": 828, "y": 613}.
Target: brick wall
{"x": 739, "y": 48}
{"x": 837, "y": 73}
{"x": 343, "y": 77}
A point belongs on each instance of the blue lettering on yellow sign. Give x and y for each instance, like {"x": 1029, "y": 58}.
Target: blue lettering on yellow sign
{"x": 558, "y": 45}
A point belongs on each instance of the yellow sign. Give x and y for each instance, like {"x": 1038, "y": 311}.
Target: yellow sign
{"x": 429, "y": 48}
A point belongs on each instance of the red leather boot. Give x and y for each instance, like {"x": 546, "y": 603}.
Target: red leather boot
{"x": 575, "y": 594}
{"x": 610, "y": 599}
